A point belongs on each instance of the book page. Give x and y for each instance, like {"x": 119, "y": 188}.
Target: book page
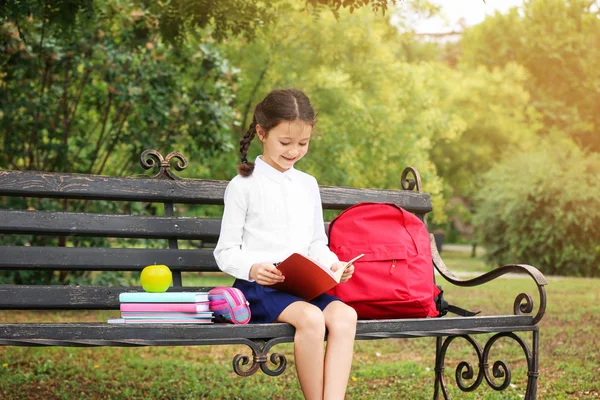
{"x": 338, "y": 274}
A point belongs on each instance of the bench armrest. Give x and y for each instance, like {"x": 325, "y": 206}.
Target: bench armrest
{"x": 523, "y": 302}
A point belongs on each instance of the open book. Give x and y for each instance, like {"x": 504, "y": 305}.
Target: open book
{"x": 308, "y": 278}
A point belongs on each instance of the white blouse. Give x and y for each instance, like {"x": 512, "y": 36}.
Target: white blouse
{"x": 268, "y": 216}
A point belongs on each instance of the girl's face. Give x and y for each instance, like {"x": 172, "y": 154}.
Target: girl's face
{"x": 285, "y": 144}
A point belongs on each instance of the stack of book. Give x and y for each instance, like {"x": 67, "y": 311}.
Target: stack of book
{"x": 164, "y": 308}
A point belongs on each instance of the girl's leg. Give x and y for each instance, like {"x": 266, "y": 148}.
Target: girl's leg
{"x": 340, "y": 320}
{"x": 308, "y": 345}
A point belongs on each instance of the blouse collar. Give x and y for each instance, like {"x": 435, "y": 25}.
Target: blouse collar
{"x": 272, "y": 173}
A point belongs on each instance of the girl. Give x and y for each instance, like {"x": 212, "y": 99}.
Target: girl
{"x": 271, "y": 211}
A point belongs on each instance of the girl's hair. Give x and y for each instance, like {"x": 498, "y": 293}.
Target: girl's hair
{"x": 278, "y": 106}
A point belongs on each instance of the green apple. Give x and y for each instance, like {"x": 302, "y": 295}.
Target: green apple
{"x": 156, "y": 278}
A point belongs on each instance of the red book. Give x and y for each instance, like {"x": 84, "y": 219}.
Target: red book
{"x": 166, "y": 307}
{"x": 308, "y": 278}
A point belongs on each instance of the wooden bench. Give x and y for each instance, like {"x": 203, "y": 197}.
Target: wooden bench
{"x": 168, "y": 189}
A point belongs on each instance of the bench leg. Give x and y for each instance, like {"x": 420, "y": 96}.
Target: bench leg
{"x": 439, "y": 371}
{"x": 533, "y": 365}
{"x": 499, "y": 369}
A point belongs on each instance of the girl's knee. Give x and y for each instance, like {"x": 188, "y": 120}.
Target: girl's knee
{"x": 311, "y": 320}
{"x": 348, "y": 315}
{"x": 343, "y": 318}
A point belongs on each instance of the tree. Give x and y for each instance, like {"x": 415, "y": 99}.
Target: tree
{"x": 557, "y": 42}
{"x": 489, "y": 116}
{"x": 542, "y": 207}
{"x": 492, "y": 116}
{"x": 110, "y": 89}
{"x": 176, "y": 18}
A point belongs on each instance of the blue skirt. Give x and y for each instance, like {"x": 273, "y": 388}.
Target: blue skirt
{"x": 266, "y": 304}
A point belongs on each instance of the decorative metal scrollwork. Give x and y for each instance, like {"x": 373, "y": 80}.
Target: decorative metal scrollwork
{"x": 521, "y": 306}
{"x": 150, "y": 157}
{"x": 464, "y": 370}
{"x": 499, "y": 370}
{"x": 410, "y": 184}
{"x": 523, "y": 303}
{"x": 260, "y": 352}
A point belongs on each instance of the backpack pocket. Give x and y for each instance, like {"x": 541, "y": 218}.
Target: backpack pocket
{"x": 378, "y": 276}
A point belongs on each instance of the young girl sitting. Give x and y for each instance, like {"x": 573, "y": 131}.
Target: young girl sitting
{"x": 271, "y": 211}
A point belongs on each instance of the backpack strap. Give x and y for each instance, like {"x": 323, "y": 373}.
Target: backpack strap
{"x": 461, "y": 311}
{"x": 444, "y": 307}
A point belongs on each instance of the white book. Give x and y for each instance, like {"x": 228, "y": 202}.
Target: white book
{"x": 158, "y": 321}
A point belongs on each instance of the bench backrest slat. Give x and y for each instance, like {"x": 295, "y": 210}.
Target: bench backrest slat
{"x": 97, "y": 187}
{"x": 103, "y": 225}
{"x": 102, "y": 259}
{"x": 187, "y": 191}
{"x": 340, "y": 198}
{"x": 44, "y": 297}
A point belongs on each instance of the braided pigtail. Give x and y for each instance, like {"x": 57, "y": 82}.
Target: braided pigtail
{"x": 245, "y": 168}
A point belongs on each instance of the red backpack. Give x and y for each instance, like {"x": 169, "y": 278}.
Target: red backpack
{"x": 395, "y": 277}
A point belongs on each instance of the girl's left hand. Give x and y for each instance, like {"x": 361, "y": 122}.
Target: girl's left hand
{"x": 347, "y": 273}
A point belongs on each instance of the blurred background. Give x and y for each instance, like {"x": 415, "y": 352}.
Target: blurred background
{"x": 496, "y": 103}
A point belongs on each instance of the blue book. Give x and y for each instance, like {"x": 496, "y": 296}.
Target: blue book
{"x": 166, "y": 297}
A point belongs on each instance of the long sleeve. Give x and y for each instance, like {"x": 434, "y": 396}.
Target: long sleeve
{"x": 228, "y": 253}
{"x": 318, "y": 248}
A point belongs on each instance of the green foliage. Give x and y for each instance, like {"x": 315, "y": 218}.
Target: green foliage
{"x": 59, "y": 13}
{"x": 557, "y": 42}
{"x": 177, "y": 18}
{"x": 489, "y": 115}
{"x": 542, "y": 207}
{"x": 335, "y": 5}
{"x": 106, "y": 92}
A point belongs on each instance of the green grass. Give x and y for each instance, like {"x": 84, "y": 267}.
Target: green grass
{"x": 462, "y": 261}
{"x": 390, "y": 368}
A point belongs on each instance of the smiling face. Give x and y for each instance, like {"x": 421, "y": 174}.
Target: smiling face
{"x": 285, "y": 144}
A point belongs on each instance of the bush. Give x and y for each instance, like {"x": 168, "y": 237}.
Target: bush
{"x": 542, "y": 208}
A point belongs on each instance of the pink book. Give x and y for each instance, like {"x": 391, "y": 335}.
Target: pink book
{"x": 150, "y": 314}
{"x": 166, "y": 307}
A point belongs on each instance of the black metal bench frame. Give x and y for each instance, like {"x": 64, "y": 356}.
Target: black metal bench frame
{"x": 165, "y": 187}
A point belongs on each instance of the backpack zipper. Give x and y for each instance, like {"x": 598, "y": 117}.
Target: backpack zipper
{"x": 393, "y": 268}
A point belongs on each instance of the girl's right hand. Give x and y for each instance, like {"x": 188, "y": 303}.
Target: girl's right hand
{"x": 266, "y": 274}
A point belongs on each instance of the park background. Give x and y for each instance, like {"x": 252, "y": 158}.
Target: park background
{"x": 501, "y": 119}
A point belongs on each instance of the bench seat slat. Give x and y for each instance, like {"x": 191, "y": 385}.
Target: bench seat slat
{"x": 128, "y": 226}
{"x": 57, "y": 297}
{"x": 184, "y": 334}
{"x": 103, "y": 259}
{"x": 190, "y": 191}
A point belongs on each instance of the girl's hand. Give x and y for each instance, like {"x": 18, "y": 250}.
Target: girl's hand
{"x": 266, "y": 274}
{"x": 347, "y": 273}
